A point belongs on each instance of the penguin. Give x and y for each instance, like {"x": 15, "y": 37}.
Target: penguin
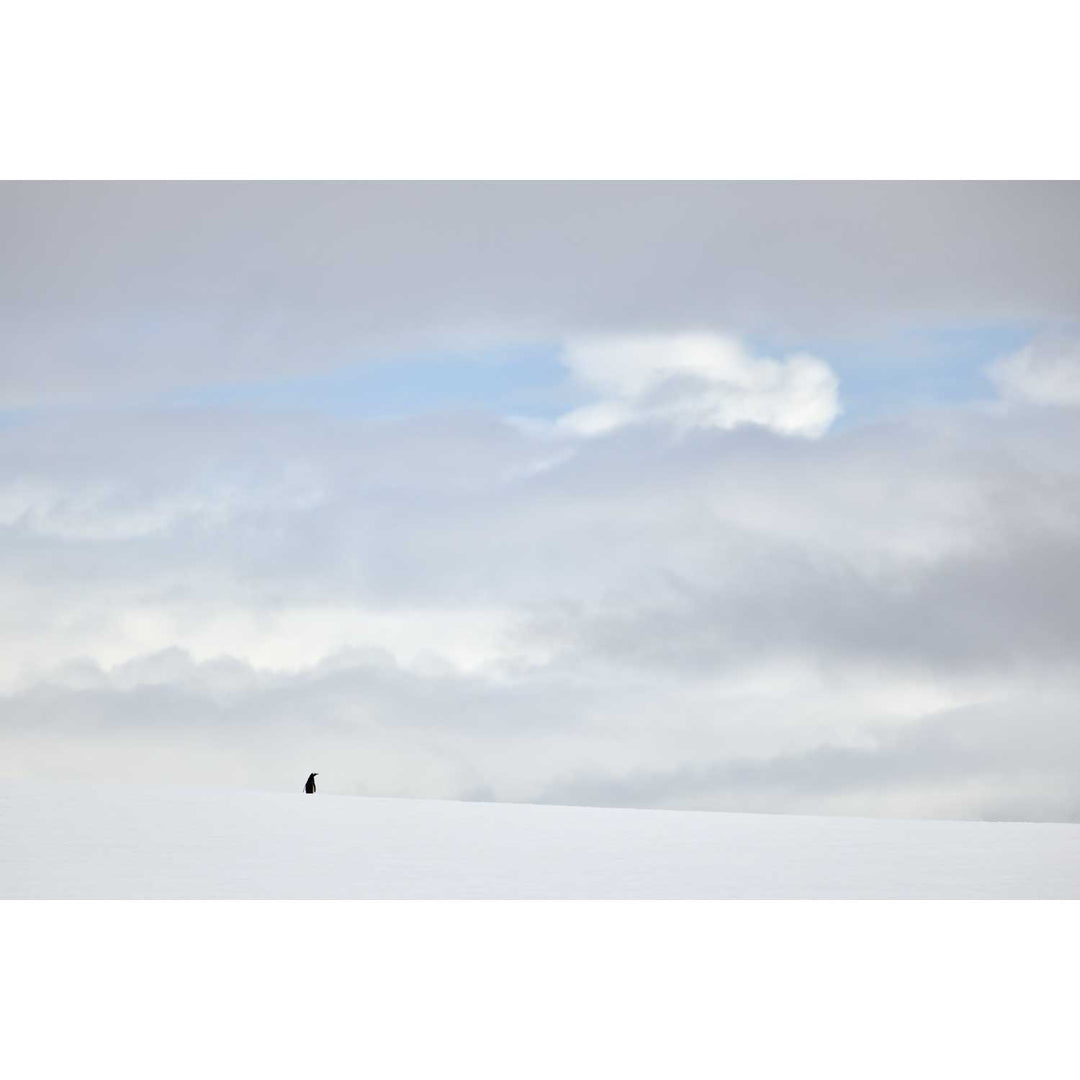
{"x": 309, "y": 787}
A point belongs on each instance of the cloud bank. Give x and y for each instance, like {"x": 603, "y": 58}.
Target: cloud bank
{"x": 880, "y": 621}
{"x": 115, "y": 290}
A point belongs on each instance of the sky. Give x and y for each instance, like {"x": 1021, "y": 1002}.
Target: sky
{"x": 719, "y": 496}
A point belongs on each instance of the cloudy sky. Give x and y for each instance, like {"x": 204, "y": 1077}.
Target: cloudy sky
{"x": 759, "y": 496}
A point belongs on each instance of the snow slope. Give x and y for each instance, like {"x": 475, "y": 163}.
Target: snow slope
{"x": 71, "y": 840}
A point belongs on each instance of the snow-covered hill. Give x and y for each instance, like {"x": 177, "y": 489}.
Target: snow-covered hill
{"x": 72, "y": 840}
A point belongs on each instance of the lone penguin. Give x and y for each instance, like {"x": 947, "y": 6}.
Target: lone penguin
{"x": 309, "y": 787}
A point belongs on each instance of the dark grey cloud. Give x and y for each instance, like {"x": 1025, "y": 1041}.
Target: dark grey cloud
{"x": 1014, "y": 759}
{"x": 117, "y": 288}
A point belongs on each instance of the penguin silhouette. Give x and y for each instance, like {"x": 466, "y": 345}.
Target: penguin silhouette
{"x": 309, "y": 787}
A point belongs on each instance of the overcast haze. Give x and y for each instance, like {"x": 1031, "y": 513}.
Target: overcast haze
{"x": 717, "y": 496}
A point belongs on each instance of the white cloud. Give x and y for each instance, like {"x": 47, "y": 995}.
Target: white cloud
{"x": 690, "y": 381}
{"x": 1046, "y": 372}
{"x": 453, "y": 606}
